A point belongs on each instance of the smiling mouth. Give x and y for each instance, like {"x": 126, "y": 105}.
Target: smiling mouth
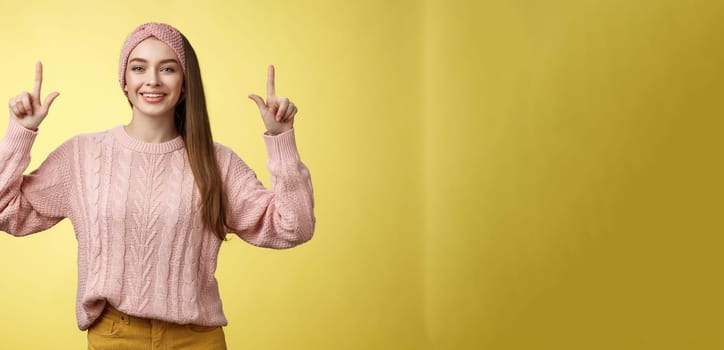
{"x": 153, "y": 97}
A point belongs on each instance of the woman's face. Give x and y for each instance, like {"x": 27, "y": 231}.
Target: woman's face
{"x": 154, "y": 79}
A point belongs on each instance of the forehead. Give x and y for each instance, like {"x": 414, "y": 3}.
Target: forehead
{"x": 152, "y": 49}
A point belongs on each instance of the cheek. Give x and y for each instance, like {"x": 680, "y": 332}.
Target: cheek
{"x": 173, "y": 83}
{"x": 129, "y": 80}
{"x": 131, "y": 84}
{"x": 179, "y": 84}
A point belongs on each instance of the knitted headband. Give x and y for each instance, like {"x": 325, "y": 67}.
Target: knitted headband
{"x": 161, "y": 31}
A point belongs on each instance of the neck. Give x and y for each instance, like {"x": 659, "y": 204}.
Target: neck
{"x": 153, "y": 130}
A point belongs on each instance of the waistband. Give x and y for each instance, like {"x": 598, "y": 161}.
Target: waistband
{"x": 116, "y": 315}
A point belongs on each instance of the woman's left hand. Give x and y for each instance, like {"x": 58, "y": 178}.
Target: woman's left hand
{"x": 278, "y": 112}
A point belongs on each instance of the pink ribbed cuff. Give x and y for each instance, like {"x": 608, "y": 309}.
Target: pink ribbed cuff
{"x": 281, "y": 150}
{"x": 19, "y": 138}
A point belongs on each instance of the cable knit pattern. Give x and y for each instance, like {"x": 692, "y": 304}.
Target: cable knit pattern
{"x": 142, "y": 245}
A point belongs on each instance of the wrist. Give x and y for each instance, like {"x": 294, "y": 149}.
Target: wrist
{"x": 276, "y": 132}
{"x": 26, "y": 125}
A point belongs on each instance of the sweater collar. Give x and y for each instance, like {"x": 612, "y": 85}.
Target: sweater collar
{"x": 137, "y": 145}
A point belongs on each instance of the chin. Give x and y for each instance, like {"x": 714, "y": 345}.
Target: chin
{"x": 156, "y": 112}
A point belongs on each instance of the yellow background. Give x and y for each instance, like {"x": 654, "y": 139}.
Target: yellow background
{"x": 488, "y": 174}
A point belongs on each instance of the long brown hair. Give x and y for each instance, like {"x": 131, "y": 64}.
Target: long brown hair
{"x": 191, "y": 120}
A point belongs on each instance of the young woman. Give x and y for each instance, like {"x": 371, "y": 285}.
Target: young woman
{"x": 152, "y": 201}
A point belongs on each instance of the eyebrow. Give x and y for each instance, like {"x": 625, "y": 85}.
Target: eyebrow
{"x": 146, "y": 61}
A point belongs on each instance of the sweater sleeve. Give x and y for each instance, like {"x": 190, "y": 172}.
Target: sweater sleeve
{"x": 37, "y": 201}
{"x": 281, "y": 217}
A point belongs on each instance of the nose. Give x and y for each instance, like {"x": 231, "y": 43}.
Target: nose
{"x": 153, "y": 79}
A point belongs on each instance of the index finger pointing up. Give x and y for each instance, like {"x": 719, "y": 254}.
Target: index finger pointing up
{"x": 38, "y": 80}
{"x": 270, "y": 89}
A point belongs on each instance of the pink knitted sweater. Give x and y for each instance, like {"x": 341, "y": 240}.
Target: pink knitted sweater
{"x": 142, "y": 245}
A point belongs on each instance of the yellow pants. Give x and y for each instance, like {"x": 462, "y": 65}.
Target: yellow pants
{"x": 116, "y": 330}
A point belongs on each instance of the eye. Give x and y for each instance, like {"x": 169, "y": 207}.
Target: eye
{"x": 137, "y": 68}
{"x": 168, "y": 69}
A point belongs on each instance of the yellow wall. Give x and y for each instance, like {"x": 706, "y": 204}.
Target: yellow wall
{"x": 488, "y": 174}
{"x": 573, "y": 175}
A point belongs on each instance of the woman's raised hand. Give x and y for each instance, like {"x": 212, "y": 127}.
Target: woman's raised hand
{"x": 26, "y": 108}
{"x": 278, "y": 112}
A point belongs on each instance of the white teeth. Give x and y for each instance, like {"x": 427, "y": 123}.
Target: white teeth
{"x": 153, "y": 95}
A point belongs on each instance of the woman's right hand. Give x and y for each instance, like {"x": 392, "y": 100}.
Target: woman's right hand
{"x": 26, "y": 109}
